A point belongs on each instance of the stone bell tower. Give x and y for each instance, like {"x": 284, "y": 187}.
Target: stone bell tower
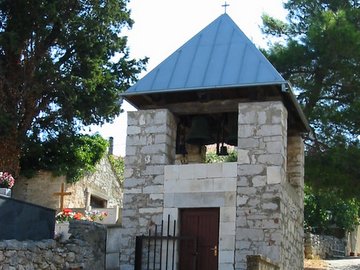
{"x": 217, "y": 89}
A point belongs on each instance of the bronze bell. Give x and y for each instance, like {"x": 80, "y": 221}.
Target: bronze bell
{"x": 199, "y": 133}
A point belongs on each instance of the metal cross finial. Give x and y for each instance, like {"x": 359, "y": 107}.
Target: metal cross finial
{"x": 225, "y": 6}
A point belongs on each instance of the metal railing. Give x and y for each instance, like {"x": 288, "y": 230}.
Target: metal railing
{"x": 159, "y": 249}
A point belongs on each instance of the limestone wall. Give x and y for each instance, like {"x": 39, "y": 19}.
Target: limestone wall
{"x": 150, "y": 144}
{"x": 43, "y": 185}
{"x": 205, "y": 185}
{"x": 269, "y": 216}
{"x": 323, "y": 246}
{"x": 258, "y": 262}
{"x": 85, "y": 251}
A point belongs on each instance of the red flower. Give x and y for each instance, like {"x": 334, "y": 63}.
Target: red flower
{"x": 78, "y": 216}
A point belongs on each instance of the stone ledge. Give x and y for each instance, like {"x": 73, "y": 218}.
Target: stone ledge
{"x": 259, "y": 262}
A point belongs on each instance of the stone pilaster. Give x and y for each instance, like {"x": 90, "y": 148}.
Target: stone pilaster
{"x": 293, "y": 205}
{"x": 150, "y": 145}
{"x": 262, "y": 152}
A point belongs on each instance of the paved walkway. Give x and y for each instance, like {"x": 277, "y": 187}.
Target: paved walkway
{"x": 344, "y": 264}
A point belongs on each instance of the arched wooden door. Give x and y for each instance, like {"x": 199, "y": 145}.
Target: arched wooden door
{"x": 203, "y": 225}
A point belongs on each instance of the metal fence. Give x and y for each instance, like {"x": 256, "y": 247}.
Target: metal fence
{"x": 159, "y": 249}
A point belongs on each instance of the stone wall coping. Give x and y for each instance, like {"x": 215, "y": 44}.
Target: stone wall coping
{"x": 261, "y": 259}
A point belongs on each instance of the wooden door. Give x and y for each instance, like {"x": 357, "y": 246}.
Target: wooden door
{"x": 201, "y": 224}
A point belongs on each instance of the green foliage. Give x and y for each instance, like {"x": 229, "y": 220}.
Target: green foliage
{"x": 119, "y": 166}
{"x": 325, "y": 211}
{"x": 212, "y": 157}
{"x": 63, "y": 66}
{"x": 319, "y": 53}
{"x": 72, "y": 156}
{"x": 336, "y": 169}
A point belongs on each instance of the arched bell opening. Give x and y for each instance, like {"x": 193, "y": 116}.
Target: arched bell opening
{"x": 199, "y": 133}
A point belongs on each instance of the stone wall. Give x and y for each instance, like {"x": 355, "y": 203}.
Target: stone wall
{"x": 205, "y": 185}
{"x": 85, "y": 251}
{"x": 150, "y": 144}
{"x": 258, "y": 262}
{"x": 323, "y": 246}
{"x": 103, "y": 182}
{"x": 269, "y": 211}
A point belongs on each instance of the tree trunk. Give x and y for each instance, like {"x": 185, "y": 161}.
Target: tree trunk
{"x": 10, "y": 154}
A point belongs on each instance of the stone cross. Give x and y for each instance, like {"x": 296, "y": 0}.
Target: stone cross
{"x": 62, "y": 194}
{"x": 225, "y": 6}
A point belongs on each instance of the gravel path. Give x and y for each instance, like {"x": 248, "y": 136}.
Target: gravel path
{"x": 344, "y": 264}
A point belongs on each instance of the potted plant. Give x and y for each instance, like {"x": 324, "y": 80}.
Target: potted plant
{"x": 7, "y": 181}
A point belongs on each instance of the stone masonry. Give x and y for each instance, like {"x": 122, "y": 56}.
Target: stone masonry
{"x": 102, "y": 182}
{"x": 260, "y": 197}
{"x": 150, "y": 146}
{"x": 269, "y": 215}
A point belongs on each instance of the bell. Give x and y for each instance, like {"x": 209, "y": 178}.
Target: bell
{"x": 199, "y": 133}
{"x": 223, "y": 151}
{"x": 232, "y": 130}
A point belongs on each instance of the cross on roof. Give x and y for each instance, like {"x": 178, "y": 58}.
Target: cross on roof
{"x": 62, "y": 194}
{"x": 225, "y": 6}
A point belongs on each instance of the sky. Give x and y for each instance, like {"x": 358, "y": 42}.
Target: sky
{"x": 162, "y": 26}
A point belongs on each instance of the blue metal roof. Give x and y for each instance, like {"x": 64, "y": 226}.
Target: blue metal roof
{"x": 218, "y": 56}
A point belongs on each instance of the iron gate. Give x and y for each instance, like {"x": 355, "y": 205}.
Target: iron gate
{"x": 159, "y": 249}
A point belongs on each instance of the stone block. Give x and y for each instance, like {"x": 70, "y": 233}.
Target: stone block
{"x": 226, "y": 266}
{"x": 154, "y": 170}
{"x": 229, "y": 170}
{"x": 150, "y": 189}
{"x": 199, "y": 171}
{"x": 228, "y": 214}
{"x": 151, "y": 210}
{"x": 214, "y": 170}
{"x": 227, "y": 228}
{"x": 271, "y": 159}
{"x": 242, "y": 200}
{"x": 157, "y": 196}
{"x": 256, "y": 169}
{"x": 132, "y": 130}
{"x": 156, "y": 129}
{"x": 226, "y": 257}
{"x": 224, "y": 184}
{"x": 270, "y": 130}
{"x": 227, "y": 242}
{"x": 248, "y": 143}
{"x": 130, "y": 150}
{"x": 186, "y": 172}
{"x": 171, "y": 172}
{"x": 246, "y": 131}
{"x": 243, "y": 156}
{"x": 249, "y": 234}
{"x": 258, "y": 181}
{"x": 161, "y": 116}
{"x": 169, "y": 200}
{"x": 274, "y": 175}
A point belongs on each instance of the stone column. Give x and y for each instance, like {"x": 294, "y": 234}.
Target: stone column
{"x": 293, "y": 205}
{"x": 150, "y": 145}
{"x": 262, "y": 141}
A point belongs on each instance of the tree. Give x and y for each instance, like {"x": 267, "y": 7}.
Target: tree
{"x": 63, "y": 65}
{"x": 318, "y": 51}
{"x": 325, "y": 212}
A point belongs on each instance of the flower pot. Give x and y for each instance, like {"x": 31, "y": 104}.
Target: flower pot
{"x": 5, "y": 192}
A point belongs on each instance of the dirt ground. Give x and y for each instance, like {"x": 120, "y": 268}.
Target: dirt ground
{"x": 315, "y": 263}
{"x": 341, "y": 264}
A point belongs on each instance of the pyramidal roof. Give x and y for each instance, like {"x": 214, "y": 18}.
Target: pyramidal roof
{"x": 219, "y": 56}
